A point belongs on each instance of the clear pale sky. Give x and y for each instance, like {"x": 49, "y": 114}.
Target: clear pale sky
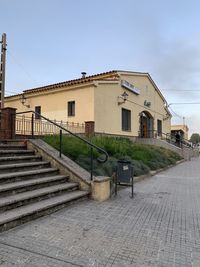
{"x": 51, "y": 41}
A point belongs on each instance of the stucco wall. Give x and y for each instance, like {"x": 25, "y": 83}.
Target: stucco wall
{"x": 179, "y": 127}
{"x": 54, "y": 105}
{"x": 98, "y": 101}
{"x": 108, "y": 112}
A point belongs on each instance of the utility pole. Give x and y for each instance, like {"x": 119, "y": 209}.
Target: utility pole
{"x": 2, "y": 69}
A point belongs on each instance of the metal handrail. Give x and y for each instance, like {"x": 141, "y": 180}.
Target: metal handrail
{"x": 43, "y": 127}
{"x": 171, "y": 137}
{"x": 77, "y": 136}
{"x": 168, "y": 137}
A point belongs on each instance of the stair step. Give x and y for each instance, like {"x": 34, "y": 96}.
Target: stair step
{"x": 10, "y": 177}
{"x": 14, "y": 152}
{"x": 29, "y": 184}
{"x": 12, "y": 147}
{"x": 23, "y": 214}
{"x": 29, "y": 187}
{"x": 7, "y": 168}
{"x": 18, "y": 159}
{"x": 24, "y": 198}
{"x": 12, "y": 141}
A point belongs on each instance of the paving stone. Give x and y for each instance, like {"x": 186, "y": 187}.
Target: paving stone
{"x": 160, "y": 227}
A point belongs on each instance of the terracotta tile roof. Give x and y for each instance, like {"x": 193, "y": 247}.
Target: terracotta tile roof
{"x": 105, "y": 76}
{"x": 110, "y": 75}
{"x": 9, "y": 96}
{"x": 101, "y": 76}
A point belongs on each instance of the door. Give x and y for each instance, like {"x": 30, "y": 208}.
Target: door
{"x": 146, "y": 125}
{"x": 145, "y": 131}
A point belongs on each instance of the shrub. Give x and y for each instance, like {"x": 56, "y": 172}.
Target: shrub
{"x": 143, "y": 157}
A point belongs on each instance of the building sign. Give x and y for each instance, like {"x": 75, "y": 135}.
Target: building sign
{"x": 147, "y": 103}
{"x": 130, "y": 87}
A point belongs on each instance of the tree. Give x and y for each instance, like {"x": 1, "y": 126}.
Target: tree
{"x": 195, "y": 138}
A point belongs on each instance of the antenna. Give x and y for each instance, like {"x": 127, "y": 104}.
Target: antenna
{"x": 2, "y": 69}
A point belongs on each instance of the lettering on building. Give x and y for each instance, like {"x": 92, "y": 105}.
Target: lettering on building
{"x": 130, "y": 87}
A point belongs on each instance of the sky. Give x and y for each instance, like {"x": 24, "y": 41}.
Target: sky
{"x": 51, "y": 41}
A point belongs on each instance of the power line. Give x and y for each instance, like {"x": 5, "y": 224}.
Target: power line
{"x": 180, "y": 90}
{"x": 13, "y": 92}
{"x": 22, "y": 67}
{"x": 177, "y": 115}
{"x": 186, "y": 103}
{"x": 143, "y": 106}
{"x": 9, "y": 93}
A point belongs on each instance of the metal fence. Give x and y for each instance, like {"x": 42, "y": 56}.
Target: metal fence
{"x": 26, "y": 125}
{"x": 41, "y": 125}
{"x": 170, "y": 138}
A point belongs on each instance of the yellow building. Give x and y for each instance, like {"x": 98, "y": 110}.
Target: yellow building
{"x": 119, "y": 102}
{"x": 183, "y": 129}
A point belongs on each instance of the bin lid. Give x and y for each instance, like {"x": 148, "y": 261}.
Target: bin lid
{"x": 124, "y": 161}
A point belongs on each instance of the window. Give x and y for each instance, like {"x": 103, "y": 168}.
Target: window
{"x": 71, "y": 108}
{"x": 38, "y": 111}
{"x": 159, "y": 127}
{"x": 126, "y": 119}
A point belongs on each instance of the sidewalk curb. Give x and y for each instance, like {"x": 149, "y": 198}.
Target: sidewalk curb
{"x": 152, "y": 173}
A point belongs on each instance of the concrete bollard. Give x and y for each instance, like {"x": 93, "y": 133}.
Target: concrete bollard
{"x": 100, "y": 188}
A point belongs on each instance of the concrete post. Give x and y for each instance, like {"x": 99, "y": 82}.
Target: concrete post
{"x": 7, "y": 123}
{"x": 101, "y": 188}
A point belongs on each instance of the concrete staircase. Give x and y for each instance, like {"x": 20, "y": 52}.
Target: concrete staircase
{"x": 29, "y": 186}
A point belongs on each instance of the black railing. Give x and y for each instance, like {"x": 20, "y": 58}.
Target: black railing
{"x": 92, "y": 146}
{"x": 170, "y": 138}
{"x": 150, "y": 134}
{"x": 24, "y": 125}
{"x": 180, "y": 141}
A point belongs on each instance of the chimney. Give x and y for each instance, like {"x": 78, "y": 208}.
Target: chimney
{"x": 83, "y": 74}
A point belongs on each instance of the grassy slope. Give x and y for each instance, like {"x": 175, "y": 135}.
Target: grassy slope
{"x": 143, "y": 157}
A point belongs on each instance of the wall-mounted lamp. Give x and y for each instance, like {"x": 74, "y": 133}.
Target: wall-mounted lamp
{"x": 23, "y": 101}
{"x": 142, "y": 114}
{"x": 122, "y": 98}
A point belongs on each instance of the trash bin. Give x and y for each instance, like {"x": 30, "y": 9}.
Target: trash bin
{"x": 124, "y": 174}
{"x": 124, "y": 171}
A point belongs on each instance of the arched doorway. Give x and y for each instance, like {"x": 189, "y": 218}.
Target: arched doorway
{"x": 146, "y": 125}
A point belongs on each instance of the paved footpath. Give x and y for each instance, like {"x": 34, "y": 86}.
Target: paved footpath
{"x": 159, "y": 227}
